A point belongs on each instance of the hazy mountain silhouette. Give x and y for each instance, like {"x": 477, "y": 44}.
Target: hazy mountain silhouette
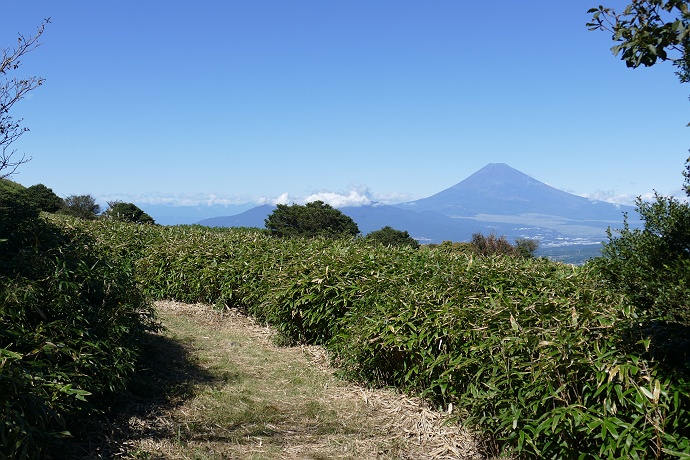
{"x": 498, "y": 189}
{"x": 497, "y": 199}
{"x": 166, "y": 214}
{"x": 251, "y": 218}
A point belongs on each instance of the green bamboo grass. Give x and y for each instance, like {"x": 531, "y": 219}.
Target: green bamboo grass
{"x": 542, "y": 359}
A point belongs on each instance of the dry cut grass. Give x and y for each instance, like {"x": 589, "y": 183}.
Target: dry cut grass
{"x": 243, "y": 397}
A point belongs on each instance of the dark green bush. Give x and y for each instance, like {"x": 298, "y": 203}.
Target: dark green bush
{"x": 127, "y": 212}
{"x": 71, "y": 320}
{"x": 17, "y": 219}
{"x": 533, "y": 355}
{"x": 313, "y": 219}
{"x": 491, "y": 245}
{"x": 388, "y": 236}
{"x": 44, "y": 198}
{"x": 652, "y": 265}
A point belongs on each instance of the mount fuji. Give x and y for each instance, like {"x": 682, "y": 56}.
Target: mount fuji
{"x": 496, "y": 199}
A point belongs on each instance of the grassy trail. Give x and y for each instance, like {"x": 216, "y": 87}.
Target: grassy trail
{"x": 231, "y": 393}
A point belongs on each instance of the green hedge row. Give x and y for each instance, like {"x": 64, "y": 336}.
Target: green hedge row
{"x": 543, "y": 359}
{"x": 71, "y": 320}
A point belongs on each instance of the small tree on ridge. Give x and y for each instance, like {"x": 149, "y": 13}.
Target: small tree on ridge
{"x": 127, "y": 212}
{"x": 82, "y": 206}
{"x": 388, "y": 236}
{"x": 313, "y": 219}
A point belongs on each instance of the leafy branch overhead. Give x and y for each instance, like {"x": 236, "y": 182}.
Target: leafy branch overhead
{"x": 11, "y": 91}
{"x": 647, "y": 32}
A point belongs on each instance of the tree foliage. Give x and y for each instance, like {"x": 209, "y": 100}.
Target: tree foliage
{"x": 17, "y": 217}
{"x": 7, "y": 185}
{"x": 82, "y": 206}
{"x": 493, "y": 245}
{"x": 313, "y": 219}
{"x": 490, "y": 245}
{"x": 647, "y": 32}
{"x": 652, "y": 265}
{"x": 388, "y": 236}
{"x": 44, "y": 198}
{"x": 526, "y": 247}
{"x": 11, "y": 91}
{"x": 127, "y": 212}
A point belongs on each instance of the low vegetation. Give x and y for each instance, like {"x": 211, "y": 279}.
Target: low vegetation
{"x": 71, "y": 320}
{"x": 388, "y": 236}
{"x": 491, "y": 245}
{"x": 542, "y": 359}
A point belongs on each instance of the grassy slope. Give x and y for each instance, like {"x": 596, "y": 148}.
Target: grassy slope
{"x": 237, "y": 395}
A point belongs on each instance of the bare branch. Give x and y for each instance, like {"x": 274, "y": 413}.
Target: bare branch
{"x": 11, "y": 91}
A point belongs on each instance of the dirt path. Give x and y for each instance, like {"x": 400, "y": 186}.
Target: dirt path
{"x": 234, "y": 394}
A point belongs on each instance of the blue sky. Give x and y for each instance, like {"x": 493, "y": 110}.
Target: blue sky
{"x": 228, "y": 102}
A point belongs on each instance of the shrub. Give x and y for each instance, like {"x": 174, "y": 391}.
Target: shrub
{"x": 17, "y": 218}
{"x": 44, "y": 198}
{"x": 526, "y": 247}
{"x": 453, "y": 247}
{"x": 7, "y": 185}
{"x": 127, "y": 212}
{"x": 491, "y": 245}
{"x": 388, "y": 236}
{"x": 317, "y": 283}
{"x": 71, "y": 320}
{"x": 218, "y": 266}
{"x": 538, "y": 357}
{"x": 652, "y": 265}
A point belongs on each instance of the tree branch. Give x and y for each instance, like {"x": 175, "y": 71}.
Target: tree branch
{"x": 11, "y": 91}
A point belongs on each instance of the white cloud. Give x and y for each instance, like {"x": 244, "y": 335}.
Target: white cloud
{"x": 356, "y": 196}
{"x": 339, "y": 200}
{"x": 183, "y": 199}
{"x": 610, "y": 196}
{"x": 681, "y": 195}
{"x": 284, "y": 198}
{"x": 359, "y": 196}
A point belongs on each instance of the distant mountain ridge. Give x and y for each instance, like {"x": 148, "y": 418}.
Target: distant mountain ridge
{"x": 167, "y": 214}
{"x": 251, "y": 218}
{"x": 496, "y": 199}
{"x": 498, "y": 189}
